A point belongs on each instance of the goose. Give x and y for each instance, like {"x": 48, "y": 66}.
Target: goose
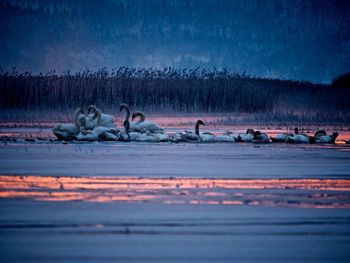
{"x": 105, "y": 120}
{"x": 326, "y": 138}
{"x": 299, "y": 138}
{"x": 247, "y": 137}
{"x": 260, "y": 137}
{"x": 69, "y": 131}
{"x": 187, "y": 136}
{"x": 282, "y": 137}
{"x": 142, "y": 126}
{"x": 148, "y": 137}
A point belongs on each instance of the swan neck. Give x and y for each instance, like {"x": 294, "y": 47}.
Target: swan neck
{"x": 127, "y": 113}
{"x": 197, "y": 129}
{"x": 78, "y": 111}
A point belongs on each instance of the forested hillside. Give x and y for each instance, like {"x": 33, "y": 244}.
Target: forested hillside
{"x": 301, "y": 40}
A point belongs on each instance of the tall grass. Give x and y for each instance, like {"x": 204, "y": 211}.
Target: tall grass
{"x": 173, "y": 91}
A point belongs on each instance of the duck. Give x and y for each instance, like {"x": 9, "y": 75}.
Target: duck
{"x": 326, "y": 138}
{"x": 246, "y": 137}
{"x": 188, "y": 136}
{"x": 69, "y": 131}
{"x": 142, "y": 126}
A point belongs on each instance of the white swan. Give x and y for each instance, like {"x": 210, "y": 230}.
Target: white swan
{"x": 163, "y": 137}
{"x": 207, "y": 137}
{"x": 105, "y": 120}
{"x": 246, "y": 137}
{"x": 90, "y": 131}
{"x": 142, "y": 126}
{"x": 187, "y": 136}
{"x": 125, "y": 107}
{"x": 148, "y": 137}
{"x": 260, "y": 137}
{"x": 299, "y": 138}
{"x": 226, "y": 137}
{"x": 326, "y": 138}
{"x": 283, "y": 137}
{"x": 69, "y": 131}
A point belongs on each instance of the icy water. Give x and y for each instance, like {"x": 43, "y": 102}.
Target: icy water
{"x": 165, "y": 202}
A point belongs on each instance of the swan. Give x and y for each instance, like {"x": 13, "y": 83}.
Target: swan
{"x": 163, "y": 137}
{"x": 125, "y": 107}
{"x": 299, "y": 138}
{"x": 69, "y": 131}
{"x": 105, "y": 120}
{"x": 326, "y": 138}
{"x": 142, "y": 126}
{"x": 90, "y": 131}
{"x": 187, "y": 136}
{"x": 226, "y": 137}
{"x": 148, "y": 137}
{"x": 282, "y": 137}
{"x": 207, "y": 136}
{"x": 99, "y": 133}
{"x": 247, "y": 137}
{"x": 260, "y": 137}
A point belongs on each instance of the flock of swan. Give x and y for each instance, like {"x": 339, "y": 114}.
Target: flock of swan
{"x": 98, "y": 126}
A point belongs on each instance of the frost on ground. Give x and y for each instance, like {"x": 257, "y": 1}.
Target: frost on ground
{"x": 139, "y": 202}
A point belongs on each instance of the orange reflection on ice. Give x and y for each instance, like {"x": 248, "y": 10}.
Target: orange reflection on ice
{"x": 112, "y": 183}
{"x": 304, "y": 193}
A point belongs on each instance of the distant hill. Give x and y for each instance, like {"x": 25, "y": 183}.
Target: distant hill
{"x": 302, "y": 39}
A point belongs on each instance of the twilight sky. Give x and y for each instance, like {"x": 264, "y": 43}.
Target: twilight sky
{"x": 290, "y": 39}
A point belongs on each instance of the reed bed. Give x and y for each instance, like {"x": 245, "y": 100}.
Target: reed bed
{"x": 171, "y": 91}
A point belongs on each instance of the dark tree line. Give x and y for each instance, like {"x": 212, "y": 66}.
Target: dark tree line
{"x": 170, "y": 90}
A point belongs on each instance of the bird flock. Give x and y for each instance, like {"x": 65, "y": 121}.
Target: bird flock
{"x": 99, "y": 126}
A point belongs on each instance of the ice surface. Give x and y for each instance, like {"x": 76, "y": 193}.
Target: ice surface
{"x": 278, "y": 229}
{"x": 176, "y": 160}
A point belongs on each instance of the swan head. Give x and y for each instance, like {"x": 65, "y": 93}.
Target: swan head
{"x": 92, "y": 109}
{"x": 296, "y": 130}
{"x": 250, "y": 131}
{"x": 123, "y": 106}
{"x": 138, "y": 114}
{"x": 256, "y": 134}
{"x": 200, "y": 122}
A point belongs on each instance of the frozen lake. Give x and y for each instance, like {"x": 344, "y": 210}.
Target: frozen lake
{"x": 140, "y": 202}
